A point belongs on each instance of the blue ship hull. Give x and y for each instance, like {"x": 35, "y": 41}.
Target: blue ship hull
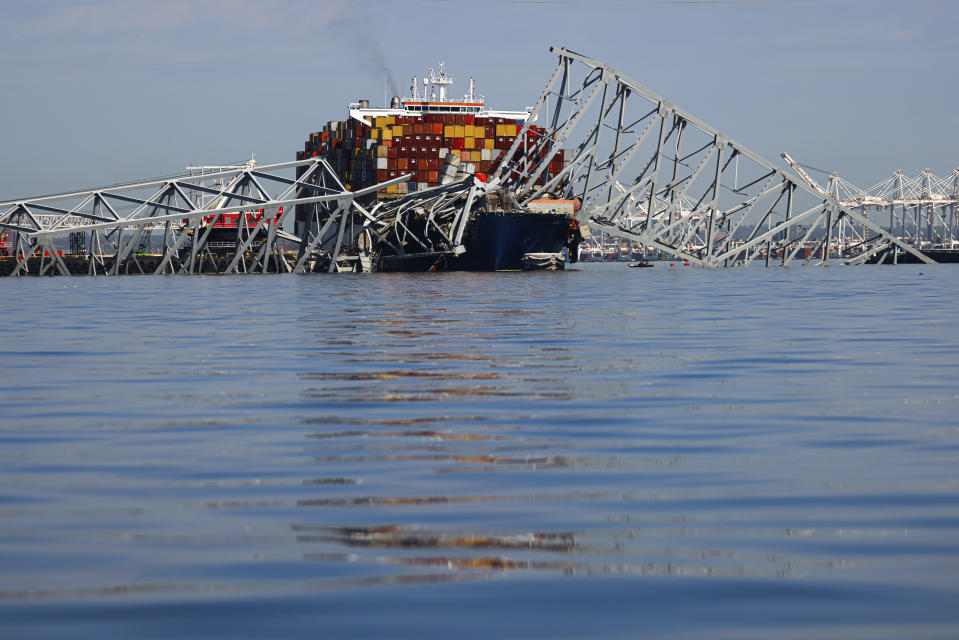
{"x": 494, "y": 241}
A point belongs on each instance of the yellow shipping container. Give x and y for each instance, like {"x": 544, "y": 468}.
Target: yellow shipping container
{"x": 397, "y": 129}
{"x": 476, "y": 156}
{"x": 387, "y": 134}
{"x": 489, "y": 143}
{"x": 449, "y": 131}
{"x": 460, "y": 131}
{"x": 393, "y": 188}
{"x": 389, "y": 120}
{"x": 469, "y": 143}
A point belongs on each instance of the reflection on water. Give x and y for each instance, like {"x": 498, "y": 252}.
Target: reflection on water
{"x": 338, "y": 435}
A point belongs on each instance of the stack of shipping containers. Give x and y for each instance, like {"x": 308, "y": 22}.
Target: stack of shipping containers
{"x": 434, "y": 148}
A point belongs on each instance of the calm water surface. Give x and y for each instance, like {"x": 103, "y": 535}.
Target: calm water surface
{"x": 604, "y": 452}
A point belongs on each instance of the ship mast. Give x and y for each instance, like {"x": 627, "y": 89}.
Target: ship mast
{"x": 442, "y": 80}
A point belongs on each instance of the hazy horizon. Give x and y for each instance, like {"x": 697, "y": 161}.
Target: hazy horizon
{"x": 105, "y": 91}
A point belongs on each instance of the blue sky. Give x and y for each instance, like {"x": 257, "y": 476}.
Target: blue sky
{"x": 108, "y": 90}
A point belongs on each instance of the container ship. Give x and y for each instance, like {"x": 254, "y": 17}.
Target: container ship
{"x": 439, "y": 140}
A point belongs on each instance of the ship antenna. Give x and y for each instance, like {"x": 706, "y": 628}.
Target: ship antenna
{"x": 442, "y": 81}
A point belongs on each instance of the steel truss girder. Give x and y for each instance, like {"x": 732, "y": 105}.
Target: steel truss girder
{"x": 119, "y": 219}
{"x": 644, "y": 187}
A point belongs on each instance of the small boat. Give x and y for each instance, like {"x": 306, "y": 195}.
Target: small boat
{"x": 641, "y": 263}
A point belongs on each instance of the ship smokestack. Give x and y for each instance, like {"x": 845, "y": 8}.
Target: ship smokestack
{"x": 364, "y": 104}
{"x": 395, "y": 102}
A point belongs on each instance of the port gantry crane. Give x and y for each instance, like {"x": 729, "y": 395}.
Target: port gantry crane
{"x": 645, "y": 169}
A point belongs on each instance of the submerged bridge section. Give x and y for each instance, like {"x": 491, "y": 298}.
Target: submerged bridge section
{"x": 646, "y": 170}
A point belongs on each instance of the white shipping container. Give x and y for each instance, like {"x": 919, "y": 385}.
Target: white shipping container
{"x": 382, "y": 163}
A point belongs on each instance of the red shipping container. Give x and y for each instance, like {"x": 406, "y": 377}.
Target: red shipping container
{"x": 458, "y": 143}
{"x": 434, "y": 177}
{"x": 402, "y": 164}
{"x": 470, "y": 119}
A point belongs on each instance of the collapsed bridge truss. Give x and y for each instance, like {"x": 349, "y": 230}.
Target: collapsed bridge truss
{"x": 649, "y": 171}
{"x": 645, "y": 169}
{"x": 175, "y": 225}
